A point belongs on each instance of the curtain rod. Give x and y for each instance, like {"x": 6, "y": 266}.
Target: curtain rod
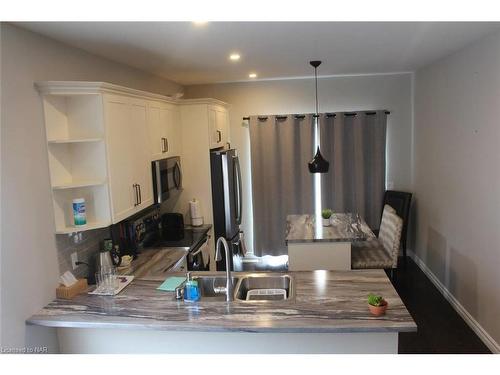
{"x": 262, "y": 118}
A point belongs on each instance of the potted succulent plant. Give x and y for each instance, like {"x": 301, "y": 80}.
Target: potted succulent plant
{"x": 326, "y": 214}
{"x": 377, "y": 304}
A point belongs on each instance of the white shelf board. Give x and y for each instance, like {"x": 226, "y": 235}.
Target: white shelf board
{"x": 80, "y": 228}
{"x": 79, "y": 184}
{"x": 75, "y": 140}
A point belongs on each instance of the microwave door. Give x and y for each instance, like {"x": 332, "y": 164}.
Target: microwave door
{"x": 160, "y": 181}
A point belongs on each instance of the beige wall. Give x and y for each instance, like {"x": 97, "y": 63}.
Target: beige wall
{"x": 457, "y": 177}
{"x": 392, "y": 92}
{"x": 29, "y": 267}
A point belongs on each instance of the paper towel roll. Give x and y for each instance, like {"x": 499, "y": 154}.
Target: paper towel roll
{"x": 195, "y": 213}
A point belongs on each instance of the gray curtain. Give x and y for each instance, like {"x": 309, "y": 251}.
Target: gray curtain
{"x": 281, "y": 184}
{"x": 355, "y": 148}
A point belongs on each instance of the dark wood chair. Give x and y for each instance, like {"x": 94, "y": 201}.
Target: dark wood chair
{"x": 400, "y": 201}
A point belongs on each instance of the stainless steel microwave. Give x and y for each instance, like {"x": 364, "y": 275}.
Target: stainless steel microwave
{"x": 167, "y": 177}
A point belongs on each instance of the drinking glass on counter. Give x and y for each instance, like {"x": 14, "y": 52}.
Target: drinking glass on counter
{"x": 106, "y": 280}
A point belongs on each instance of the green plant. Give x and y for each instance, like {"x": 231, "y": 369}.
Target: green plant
{"x": 375, "y": 300}
{"x": 326, "y": 213}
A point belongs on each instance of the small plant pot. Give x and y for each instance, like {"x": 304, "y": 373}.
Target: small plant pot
{"x": 326, "y": 222}
{"x": 378, "y": 310}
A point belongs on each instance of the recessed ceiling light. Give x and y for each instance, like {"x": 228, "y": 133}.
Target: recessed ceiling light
{"x": 252, "y": 75}
{"x": 234, "y": 57}
{"x": 200, "y": 23}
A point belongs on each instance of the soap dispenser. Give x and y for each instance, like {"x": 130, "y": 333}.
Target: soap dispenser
{"x": 191, "y": 289}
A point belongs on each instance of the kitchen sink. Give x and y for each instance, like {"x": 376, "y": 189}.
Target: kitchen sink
{"x": 265, "y": 287}
{"x": 213, "y": 287}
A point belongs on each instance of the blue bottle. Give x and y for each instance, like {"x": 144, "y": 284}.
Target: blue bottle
{"x": 191, "y": 290}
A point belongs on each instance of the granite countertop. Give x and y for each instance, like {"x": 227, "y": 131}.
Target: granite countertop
{"x": 154, "y": 262}
{"x": 325, "y": 301}
{"x": 345, "y": 227}
{"x": 159, "y": 259}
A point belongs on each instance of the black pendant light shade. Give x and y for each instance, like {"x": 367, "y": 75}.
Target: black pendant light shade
{"x": 318, "y": 164}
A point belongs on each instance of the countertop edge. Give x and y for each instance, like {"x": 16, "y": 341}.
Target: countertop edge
{"x": 180, "y": 328}
{"x": 312, "y": 240}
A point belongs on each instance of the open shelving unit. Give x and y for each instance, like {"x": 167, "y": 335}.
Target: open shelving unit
{"x": 77, "y": 159}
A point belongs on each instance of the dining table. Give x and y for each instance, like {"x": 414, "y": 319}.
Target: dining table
{"x": 315, "y": 246}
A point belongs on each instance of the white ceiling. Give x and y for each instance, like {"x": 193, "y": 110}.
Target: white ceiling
{"x": 191, "y": 54}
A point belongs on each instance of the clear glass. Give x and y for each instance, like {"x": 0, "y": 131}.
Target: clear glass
{"x": 106, "y": 280}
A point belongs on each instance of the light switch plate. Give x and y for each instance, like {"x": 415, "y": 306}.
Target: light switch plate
{"x": 74, "y": 259}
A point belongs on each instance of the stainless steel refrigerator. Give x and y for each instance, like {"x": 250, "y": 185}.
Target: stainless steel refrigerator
{"x": 227, "y": 203}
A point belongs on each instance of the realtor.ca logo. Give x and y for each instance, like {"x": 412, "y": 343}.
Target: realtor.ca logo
{"x": 24, "y": 350}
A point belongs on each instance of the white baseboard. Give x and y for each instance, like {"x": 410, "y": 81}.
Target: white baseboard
{"x": 469, "y": 319}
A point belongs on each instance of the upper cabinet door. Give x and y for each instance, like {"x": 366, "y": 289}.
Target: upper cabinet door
{"x": 218, "y": 126}
{"x": 221, "y": 119}
{"x": 156, "y": 131}
{"x": 174, "y": 135}
{"x": 141, "y": 156}
{"x": 212, "y": 129}
{"x": 164, "y": 130}
{"x": 120, "y": 145}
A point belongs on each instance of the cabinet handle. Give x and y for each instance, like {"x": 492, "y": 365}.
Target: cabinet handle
{"x": 219, "y": 136}
{"x": 140, "y": 195}
{"x": 166, "y": 144}
{"x": 163, "y": 145}
{"x": 136, "y": 195}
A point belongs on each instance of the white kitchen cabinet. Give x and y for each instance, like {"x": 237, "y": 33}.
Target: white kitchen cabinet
{"x": 119, "y": 143}
{"x": 101, "y": 139}
{"x": 198, "y": 122}
{"x": 164, "y": 130}
{"x": 128, "y": 155}
{"x": 141, "y": 155}
{"x": 175, "y": 133}
{"x": 77, "y": 159}
{"x": 218, "y": 125}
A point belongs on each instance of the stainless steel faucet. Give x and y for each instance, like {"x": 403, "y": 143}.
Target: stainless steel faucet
{"x": 229, "y": 278}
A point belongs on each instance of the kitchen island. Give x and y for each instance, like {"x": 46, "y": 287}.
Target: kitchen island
{"x": 327, "y": 314}
{"x": 312, "y": 246}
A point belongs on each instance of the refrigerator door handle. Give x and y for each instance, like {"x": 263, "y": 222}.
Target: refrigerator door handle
{"x": 238, "y": 189}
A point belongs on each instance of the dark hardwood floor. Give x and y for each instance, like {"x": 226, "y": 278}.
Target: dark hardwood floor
{"x": 440, "y": 329}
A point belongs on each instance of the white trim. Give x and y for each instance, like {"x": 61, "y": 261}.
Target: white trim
{"x": 469, "y": 319}
{"x": 302, "y": 77}
{"x": 209, "y": 101}
{"x": 88, "y": 88}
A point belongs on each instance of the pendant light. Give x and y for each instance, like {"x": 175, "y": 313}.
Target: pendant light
{"x": 318, "y": 164}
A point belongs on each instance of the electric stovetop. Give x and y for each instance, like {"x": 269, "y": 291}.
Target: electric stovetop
{"x": 188, "y": 237}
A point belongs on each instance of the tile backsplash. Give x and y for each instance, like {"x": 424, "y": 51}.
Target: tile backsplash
{"x": 85, "y": 248}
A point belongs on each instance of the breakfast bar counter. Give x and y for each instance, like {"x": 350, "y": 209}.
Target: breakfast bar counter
{"x": 313, "y": 246}
{"x": 328, "y": 313}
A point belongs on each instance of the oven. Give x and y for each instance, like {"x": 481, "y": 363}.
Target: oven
{"x": 167, "y": 178}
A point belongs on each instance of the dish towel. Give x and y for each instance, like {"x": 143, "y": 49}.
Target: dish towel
{"x": 171, "y": 283}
